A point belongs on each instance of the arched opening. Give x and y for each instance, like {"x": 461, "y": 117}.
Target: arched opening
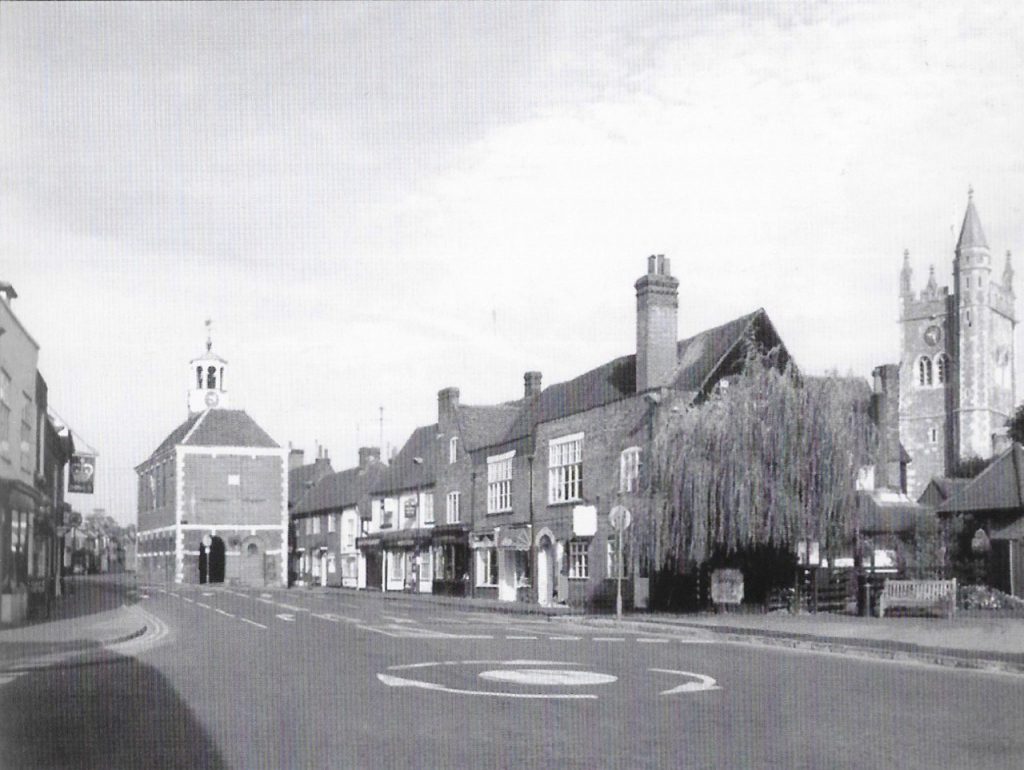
{"x": 251, "y": 571}
{"x": 199, "y": 377}
{"x": 222, "y": 378}
{"x": 211, "y": 377}
{"x": 216, "y": 560}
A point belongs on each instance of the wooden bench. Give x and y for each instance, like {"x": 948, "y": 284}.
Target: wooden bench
{"x": 919, "y": 594}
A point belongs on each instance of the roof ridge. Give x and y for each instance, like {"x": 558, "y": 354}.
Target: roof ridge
{"x": 195, "y": 425}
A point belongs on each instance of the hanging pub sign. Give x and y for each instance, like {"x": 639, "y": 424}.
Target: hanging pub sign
{"x": 83, "y": 471}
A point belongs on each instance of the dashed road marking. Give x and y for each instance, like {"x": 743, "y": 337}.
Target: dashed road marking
{"x": 609, "y": 639}
{"x": 186, "y": 599}
{"x": 292, "y": 607}
{"x": 252, "y": 623}
{"x": 223, "y": 612}
{"x": 286, "y": 616}
{"x": 327, "y": 616}
{"x": 652, "y": 641}
{"x": 520, "y": 637}
{"x": 565, "y": 638}
{"x": 206, "y": 606}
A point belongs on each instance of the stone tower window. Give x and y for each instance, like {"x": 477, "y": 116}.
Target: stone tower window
{"x": 942, "y": 368}
{"x": 924, "y": 372}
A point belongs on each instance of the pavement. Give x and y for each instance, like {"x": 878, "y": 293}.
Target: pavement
{"x": 976, "y": 639}
{"x": 94, "y": 614}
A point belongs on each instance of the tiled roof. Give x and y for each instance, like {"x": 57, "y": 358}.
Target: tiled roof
{"x": 303, "y": 478}
{"x": 999, "y": 487}
{"x": 217, "y": 427}
{"x": 483, "y": 426}
{"x": 883, "y": 511}
{"x": 700, "y": 355}
{"x": 403, "y": 472}
{"x": 342, "y": 489}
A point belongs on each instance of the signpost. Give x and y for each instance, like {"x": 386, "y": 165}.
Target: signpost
{"x": 619, "y": 518}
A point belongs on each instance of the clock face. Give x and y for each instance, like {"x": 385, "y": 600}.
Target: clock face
{"x": 932, "y": 335}
{"x": 212, "y": 398}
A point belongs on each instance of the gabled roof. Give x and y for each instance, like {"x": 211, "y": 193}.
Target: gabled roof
{"x": 971, "y": 233}
{"x": 999, "y": 487}
{"x": 343, "y": 489}
{"x": 702, "y": 358}
{"x": 403, "y": 472}
{"x": 217, "y": 427}
{"x": 940, "y": 489}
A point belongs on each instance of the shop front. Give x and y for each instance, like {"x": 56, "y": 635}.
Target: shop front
{"x": 450, "y": 555}
{"x": 513, "y": 550}
{"x": 18, "y": 510}
{"x": 407, "y": 561}
{"x": 372, "y": 557}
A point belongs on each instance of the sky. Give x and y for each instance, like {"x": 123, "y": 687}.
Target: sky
{"x": 376, "y": 201}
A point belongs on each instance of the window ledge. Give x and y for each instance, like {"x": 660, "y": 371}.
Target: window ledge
{"x": 574, "y": 501}
{"x": 499, "y": 513}
{"x": 571, "y": 577}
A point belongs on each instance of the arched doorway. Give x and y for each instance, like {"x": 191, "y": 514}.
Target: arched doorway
{"x": 251, "y": 571}
{"x": 215, "y": 562}
{"x": 545, "y": 570}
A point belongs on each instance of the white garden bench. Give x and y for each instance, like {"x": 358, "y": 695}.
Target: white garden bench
{"x": 919, "y": 594}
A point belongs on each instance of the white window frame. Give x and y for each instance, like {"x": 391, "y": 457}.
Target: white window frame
{"x": 499, "y": 482}
{"x": 629, "y": 470}
{"x": 427, "y": 504}
{"x": 332, "y": 524}
{"x": 486, "y": 567}
{"x": 452, "y": 515}
{"x": 453, "y": 449}
{"x": 565, "y": 469}
{"x": 316, "y": 524}
{"x": 578, "y": 554}
{"x": 348, "y": 533}
{"x": 387, "y": 515}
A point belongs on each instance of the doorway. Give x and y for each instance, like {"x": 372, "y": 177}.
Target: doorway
{"x": 251, "y": 572}
{"x": 216, "y": 560}
{"x": 203, "y": 564}
{"x": 545, "y": 571}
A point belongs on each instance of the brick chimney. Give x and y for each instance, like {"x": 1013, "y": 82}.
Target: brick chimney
{"x": 885, "y": 408}
{"x": 657, "y": 325}
{"x": 447, "y": 403}
{"x": 367, "y": 455}
{"x": 323, "y": 461}
{"x": 296, "y": 458}
{"x": 531, "y": 382}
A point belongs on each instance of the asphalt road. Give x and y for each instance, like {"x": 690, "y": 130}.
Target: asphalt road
{"x": 249, "y": 679}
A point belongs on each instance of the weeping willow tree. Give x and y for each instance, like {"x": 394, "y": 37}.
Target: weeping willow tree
{"x": 767, "y": 461}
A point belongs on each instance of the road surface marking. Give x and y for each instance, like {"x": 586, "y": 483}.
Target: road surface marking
{"x": 207, "y": 593}
{"x": 252, "y": 623}
{"x": 546, "y": 676}
{"x": 565, "y": 638}
{"x": 704, "y": 684}
{"x": 186, "y": 599}
{"x": 609, "y": 639}
{"x": 286, "y": 616}
{"x": 520, "y": 637}
{"x": 143, "y": 596}
{"x": 397, "y": 681}
{"x": 223, "y": 612}
{"x": 5, "y": 679}
{"x": 292, "y": 607}
{"x": 327, "y": 616}
{"x": 265, "y": 596}
{"x": 397, "y": 619}
{"x": 652, "y": 641}
{"x": 207, "y": 606}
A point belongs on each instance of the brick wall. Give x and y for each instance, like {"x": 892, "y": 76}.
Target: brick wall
{"x": 256, "y": 498}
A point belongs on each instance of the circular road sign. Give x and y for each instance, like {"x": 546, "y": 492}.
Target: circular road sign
{"x": 619, "y": 517}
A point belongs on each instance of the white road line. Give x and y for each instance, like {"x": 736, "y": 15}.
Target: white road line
{"x": 286, "y": 616}
{"x": 223, "y": 612}
{"x": 520, "y": 637}
{"x": 252, "y": 623}
{"x": 609, "y": 639}
{"x": 207, "y": 606}
{"x": 565, "y": 638}
{"x": 652, "y": 641}
{"x": 327, "y": 616}
{"x": 292, "y": 607}
{"x": 186, "y": 599}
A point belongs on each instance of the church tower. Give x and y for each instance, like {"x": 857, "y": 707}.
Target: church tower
{"x": 957, "y": 359}
{"x": 206, "y": 376}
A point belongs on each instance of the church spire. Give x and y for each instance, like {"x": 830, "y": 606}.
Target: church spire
{"x": 971, "y": 234}
{"x": 932, "y": 286}
{"x": 905, "y": 275}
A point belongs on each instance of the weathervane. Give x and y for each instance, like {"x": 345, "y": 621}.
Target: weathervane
{"x": 209, "y": 339}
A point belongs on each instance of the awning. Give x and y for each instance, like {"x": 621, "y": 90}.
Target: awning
{"x": 514, "y": 538}
{"x": 481, "y": 541}
{"x": 457, "y": 534}
{"x": 402, "y": 538}
{"x": 368, "y": 543}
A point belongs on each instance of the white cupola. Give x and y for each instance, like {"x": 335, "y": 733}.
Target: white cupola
{"x": 206, "y": 378}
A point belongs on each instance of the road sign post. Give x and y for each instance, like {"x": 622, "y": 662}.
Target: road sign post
{"x": 619, "y": 517}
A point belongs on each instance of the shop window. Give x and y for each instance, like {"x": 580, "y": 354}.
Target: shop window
{"x": 522, "y": 568}
{"x": 579, "y": 559}
{"x": 487, "y": 566}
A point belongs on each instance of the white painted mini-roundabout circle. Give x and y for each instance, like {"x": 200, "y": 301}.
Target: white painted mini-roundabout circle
{"x": 546, "y": 676}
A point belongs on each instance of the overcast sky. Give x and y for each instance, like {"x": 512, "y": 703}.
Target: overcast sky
{"x": 373, "y": 202}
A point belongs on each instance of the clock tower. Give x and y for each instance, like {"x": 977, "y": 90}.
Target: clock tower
{"x": 956, "y": 380}
{"x": 206, "y": 377}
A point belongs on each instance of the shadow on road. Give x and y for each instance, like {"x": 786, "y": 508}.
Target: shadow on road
{"x": 109, "y": 712}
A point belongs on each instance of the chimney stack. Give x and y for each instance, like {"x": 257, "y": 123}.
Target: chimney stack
{"x": 885, "y": 403}
{"x": 367, "y": 455}
{"x": 531, "y": 381}
{"x": 296, "y": 458}
{"x": 657, "y": 325}
{"x": 447, "y": 403}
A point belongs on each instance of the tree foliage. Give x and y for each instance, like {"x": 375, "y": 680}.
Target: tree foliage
{"x": 969, "y": 467}
{"x": 770, "y": 460}
{"x": 1015, "y": 425}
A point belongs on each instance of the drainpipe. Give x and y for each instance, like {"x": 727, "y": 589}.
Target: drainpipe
{"x": 470, "y": 589}
{"x": 532, "y": 552}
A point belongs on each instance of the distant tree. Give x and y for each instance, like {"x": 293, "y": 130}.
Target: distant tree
{"x": 1015, "y": 425}
{"x": 969, "y": 467}
{"x": 769, "y": 460}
